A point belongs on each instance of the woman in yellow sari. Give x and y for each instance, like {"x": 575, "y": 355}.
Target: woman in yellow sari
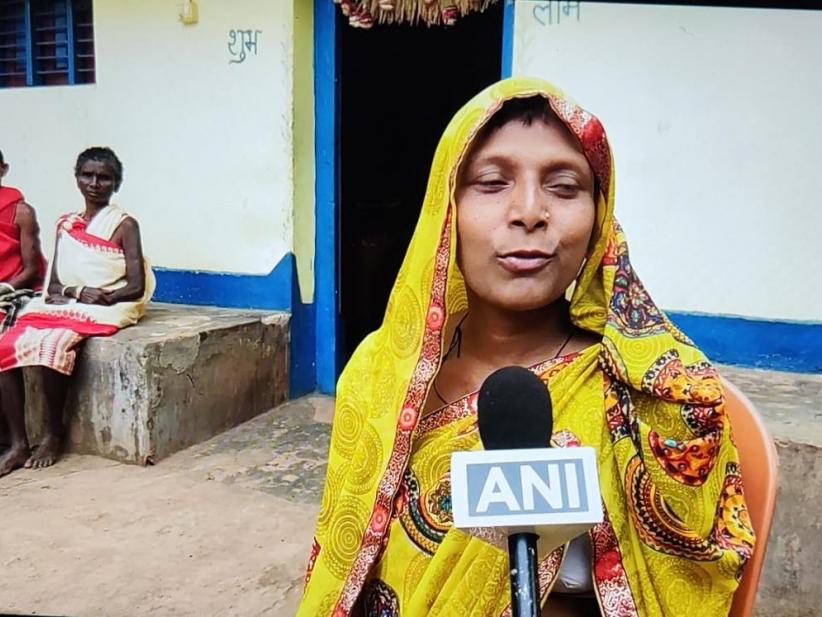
{"x": 517, "y": 259}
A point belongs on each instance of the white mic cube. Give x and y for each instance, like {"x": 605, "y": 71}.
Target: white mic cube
{"x": 552, "y": 492}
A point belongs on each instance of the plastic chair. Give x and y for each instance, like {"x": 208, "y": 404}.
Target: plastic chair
{"x": 760, "y": 470}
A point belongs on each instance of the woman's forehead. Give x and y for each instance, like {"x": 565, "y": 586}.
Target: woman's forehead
{"x": 99, "y": 166}
{"x": 541, "y": 140}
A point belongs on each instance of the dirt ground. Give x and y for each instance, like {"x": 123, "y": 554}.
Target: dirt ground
{"x": 223, "y": 528}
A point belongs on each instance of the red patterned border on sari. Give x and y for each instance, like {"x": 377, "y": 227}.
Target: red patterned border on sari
{"x": 76, "y": 321}
{"x": 610, "y": 580}
{"x": 424, "y": 372}
{"x": 467, "y": 405}
{"x": 75, "y": 226}
{"x": 312, "y": 559}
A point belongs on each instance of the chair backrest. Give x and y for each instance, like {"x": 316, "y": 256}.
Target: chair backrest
{"x": 760, "y": 469}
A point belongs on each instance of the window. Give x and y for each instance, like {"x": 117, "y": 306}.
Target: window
{"x": 46, "y": 43}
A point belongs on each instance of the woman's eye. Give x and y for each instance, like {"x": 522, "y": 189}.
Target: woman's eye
{"x": 491, "y": 183}
{"x": 564, "y": 190}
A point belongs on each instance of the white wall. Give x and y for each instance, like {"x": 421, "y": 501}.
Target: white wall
{"x": 207, "y": 146}
{"x": 715, "y": 120}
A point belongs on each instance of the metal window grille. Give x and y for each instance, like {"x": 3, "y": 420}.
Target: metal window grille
{"x": 46, "y": 43}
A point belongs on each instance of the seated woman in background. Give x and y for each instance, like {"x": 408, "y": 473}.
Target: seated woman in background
{"x": 22, "y": 266}
{"x": 517, "y": 259}
{"x": 99, "y": 283}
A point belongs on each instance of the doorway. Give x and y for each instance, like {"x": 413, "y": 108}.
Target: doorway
{"x": 399, "y": 86}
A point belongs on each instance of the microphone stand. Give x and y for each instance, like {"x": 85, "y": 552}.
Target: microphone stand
{"x": 522, "y": 556}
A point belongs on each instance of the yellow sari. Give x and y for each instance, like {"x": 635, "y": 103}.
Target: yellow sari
{"x": 676, "y": 532}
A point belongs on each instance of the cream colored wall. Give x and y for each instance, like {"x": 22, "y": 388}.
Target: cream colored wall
{"x": 304, "y": 194}
{"x": 207, "y": 146}
{"x": 713, "y": 115}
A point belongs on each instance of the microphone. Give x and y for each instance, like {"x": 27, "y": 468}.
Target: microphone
{"x": 518, "y": 487}
{"x": 514, "y": 411}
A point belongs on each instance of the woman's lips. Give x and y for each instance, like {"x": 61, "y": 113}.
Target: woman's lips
{"x": 524, "y": 262}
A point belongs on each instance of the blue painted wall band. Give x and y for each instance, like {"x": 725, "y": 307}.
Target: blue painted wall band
{"x": 755, "y": 343}
{"x": 279, "y": 290}
{"x": 249, "y": 291}
{"x": 325, "y": 151}
{"x": 507, "y": 38}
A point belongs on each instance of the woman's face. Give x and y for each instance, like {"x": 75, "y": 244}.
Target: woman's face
{"x": 525, "y": 213}
{"x": 96, "y": 182}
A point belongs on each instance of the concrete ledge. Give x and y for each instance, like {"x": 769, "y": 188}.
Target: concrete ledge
{"x": 182, "y": 375}
{"x": 791, "y": 404}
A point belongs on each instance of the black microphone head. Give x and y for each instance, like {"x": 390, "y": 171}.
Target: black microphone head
{"x": 514, "y": 410}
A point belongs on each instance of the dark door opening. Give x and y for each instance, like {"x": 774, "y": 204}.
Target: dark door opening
{"x": 399, "y": 87}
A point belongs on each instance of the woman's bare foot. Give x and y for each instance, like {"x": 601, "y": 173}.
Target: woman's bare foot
{"x": 46, "y": 454}
{"x": 13, "y": 459}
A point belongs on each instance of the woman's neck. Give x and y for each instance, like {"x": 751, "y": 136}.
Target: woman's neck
{"x": 498, "y": 337}
{"x": 92, "y": 209}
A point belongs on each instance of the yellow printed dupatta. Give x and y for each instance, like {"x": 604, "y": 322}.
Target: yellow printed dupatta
{"x": 676, "y": 532}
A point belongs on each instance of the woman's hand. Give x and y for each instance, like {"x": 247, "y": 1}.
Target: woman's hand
{"x": 94, "y": 295}
{"x": 57, "y": 299}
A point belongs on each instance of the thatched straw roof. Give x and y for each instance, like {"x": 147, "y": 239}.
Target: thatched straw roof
{"x": 365, "y": 13}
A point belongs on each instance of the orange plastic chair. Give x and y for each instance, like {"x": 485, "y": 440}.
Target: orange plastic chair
{"x": 760, "y": 470}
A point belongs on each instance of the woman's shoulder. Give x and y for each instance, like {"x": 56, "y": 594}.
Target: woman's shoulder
{"x": 128, "y": 222}
{"x": 24, "y": 213}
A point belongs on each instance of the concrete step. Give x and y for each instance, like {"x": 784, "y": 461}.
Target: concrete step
{"x": 179, "y": 377}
